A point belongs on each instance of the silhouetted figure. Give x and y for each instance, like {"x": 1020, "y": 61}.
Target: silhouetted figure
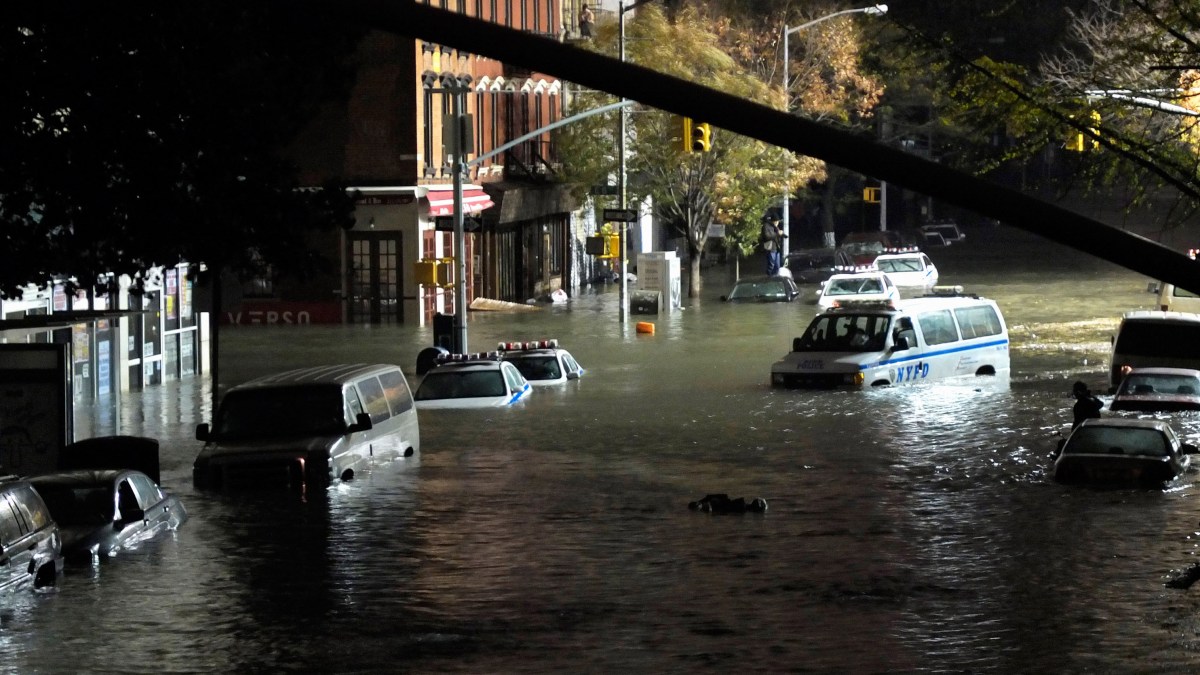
{"x": 1086, "y": 404}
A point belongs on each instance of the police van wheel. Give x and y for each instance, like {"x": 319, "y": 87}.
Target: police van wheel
{"x": 347, "y": 475}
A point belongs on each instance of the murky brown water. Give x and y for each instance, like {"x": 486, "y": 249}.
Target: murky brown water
{"x": 910, "y": 529}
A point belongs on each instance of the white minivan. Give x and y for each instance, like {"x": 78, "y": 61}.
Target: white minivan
{"x": 307, "y": 427}
{"x": 940, "y": 335}
{"x": 1147, "y": 338}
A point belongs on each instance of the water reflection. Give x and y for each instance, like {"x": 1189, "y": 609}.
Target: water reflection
{"x": 911, "y": 528}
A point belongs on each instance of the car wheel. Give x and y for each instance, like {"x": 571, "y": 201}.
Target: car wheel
{"x": 45, "y": 576}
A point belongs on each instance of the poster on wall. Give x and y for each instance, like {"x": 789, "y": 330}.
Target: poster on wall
{"x": 172, "y": 292}
{"x": 36, "y": 414}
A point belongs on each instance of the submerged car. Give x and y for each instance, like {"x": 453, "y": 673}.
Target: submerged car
{"x": 870, "y": 286}
{"x": 1122, "y": 451}
{"x": 541, "y": 362}
{"x": 812, "y": 266}
{"x": 1158, "y": 390}
{"x": 101, "y": 512}
{"x": 778, "y": 288}
{"x": 909, "y": 270}
{"x": 481, "y": 380}
{"x": 30, "y": 539}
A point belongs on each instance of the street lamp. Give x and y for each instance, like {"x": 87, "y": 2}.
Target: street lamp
{"x": 873, "y": 10}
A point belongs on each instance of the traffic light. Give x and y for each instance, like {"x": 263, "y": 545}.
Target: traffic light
{"x": 1077, "y": 141}
{"x": 685, "y": 134}
{"x": 701, "y": 135}
{"x": 694, "y": 136}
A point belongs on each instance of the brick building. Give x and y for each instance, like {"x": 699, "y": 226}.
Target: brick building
{"x": 387, "y": 141}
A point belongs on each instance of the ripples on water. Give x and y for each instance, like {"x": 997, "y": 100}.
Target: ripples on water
{"x": 909, "y": 528}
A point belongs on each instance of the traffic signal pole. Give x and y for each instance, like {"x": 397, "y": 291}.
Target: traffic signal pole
{"x": 623, "y": 299}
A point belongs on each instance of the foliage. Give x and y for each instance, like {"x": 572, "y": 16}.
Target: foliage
{"x": 149, "y": 133}
{"x": 1136, "y": 64}
{"x": 733, "y": 184}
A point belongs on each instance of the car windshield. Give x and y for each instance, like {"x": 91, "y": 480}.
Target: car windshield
{"x": 811, "y": 260}
{"x": 543, "y": 367}
{"x": 1140, "y": 384}
{"x": 1098, "y": 439}
{"x": 864, "y": 248}
{"x": 767, "y": 288}
{"x": 844, "y": 333}
{"x": 856, "y": 286}
{"x": 281, "y": 412}
{"x": 899, "y": 265}
{"x": 461, "y": 384}
{"x": 86, "y": 505}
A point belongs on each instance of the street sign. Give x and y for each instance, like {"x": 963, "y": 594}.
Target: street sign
{"x": 620, "y": 215}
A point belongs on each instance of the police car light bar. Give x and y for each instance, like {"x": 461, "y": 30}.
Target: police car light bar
{"x": 535, "y": 344}
{"x": 946, "y": 290}
{"x": 852, "y": 304}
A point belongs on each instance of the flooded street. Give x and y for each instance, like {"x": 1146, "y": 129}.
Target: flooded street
{"x": 909, "y": 529}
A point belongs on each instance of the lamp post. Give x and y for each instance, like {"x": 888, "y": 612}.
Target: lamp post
{"x": 622, "y": 7}
{"x": 873, "y": 10}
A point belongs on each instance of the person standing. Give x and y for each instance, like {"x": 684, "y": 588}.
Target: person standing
{"x": 1087, "y": 406}
{"x": 587, "y": 21}
{"x": 771, "y": 240}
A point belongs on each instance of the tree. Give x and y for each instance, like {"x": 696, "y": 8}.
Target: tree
{"x": 153, "y": 133}
{"x": 1136, "y": 65}
{"x": 733, "y": 184}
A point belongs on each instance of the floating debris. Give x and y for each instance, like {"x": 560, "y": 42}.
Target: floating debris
{"x": 721, "y": 503}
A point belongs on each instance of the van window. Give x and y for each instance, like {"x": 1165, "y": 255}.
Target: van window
{"x": 1158, "y": 338}
{"x": 10, "y": 527}
{"x": 395, "y": 389}
{"x": 938, "y": 327}
{"x": 374, "y": 399}
{"x": 979, "y": 321}
{"x": 353, "y": 404}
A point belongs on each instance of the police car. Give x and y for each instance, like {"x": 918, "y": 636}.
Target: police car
{"x": 909, "y": 270}
{"x": 869, "y": 286}
{"x": 542, "y": 362}
{"x": 481, "y": 380}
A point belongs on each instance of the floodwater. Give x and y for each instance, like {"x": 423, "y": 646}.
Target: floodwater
{"x": 909, "y": 529}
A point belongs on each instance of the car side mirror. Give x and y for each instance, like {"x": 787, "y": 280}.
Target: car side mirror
{"x": 900, "y": 344}
{"x": 572, "y": 375}
{"x": 203, "y": 432}
{"x": 362, "y": 422}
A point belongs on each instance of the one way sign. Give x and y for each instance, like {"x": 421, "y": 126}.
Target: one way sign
{"x": 620, "y": 215}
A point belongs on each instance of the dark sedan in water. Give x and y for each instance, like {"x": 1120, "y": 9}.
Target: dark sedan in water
{"x": 763, "y": 288}
{"x": 1122, "y": 451}
{"x": 1158, "y": 390}
{"x": 101, "y": 512}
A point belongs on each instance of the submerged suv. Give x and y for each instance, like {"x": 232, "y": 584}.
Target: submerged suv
{"x": 30, "y": 544}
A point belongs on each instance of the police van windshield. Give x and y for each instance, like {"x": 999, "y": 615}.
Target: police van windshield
{"x": 845, "y": 333}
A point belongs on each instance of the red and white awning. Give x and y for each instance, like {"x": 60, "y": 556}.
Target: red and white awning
{"x": 441, "y": 200}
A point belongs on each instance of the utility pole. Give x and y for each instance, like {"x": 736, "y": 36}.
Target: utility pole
{"x": 623, "y": 312}
{"x": 459, "y": 135}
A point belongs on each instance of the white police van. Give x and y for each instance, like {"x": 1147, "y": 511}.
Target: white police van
{"x": 945, "y": 333}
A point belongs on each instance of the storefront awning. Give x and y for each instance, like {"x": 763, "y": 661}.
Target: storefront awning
{"x": 441, "y": 201}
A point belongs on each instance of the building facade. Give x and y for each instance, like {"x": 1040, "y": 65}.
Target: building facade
{"x": 391, "y": 142}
